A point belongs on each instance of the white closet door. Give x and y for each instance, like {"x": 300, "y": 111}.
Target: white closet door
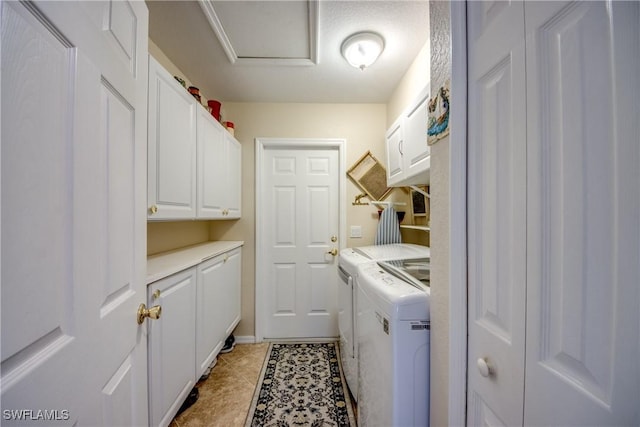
{"x": 496, "y": 211}
{"x": 583, "y": 213}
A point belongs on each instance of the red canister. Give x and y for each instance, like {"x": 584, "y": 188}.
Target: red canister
{"x": 214, "y": 107}
{"x": 230, "y": 127}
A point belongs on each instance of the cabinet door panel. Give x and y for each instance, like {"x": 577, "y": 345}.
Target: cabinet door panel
{"x": 212, "y": 182}
{"x": 417, "y": 153}
{"x": 394, "y": 153}
{"x": 234, "y": 177}
{"x": 231, "y": 289}
{"x": 172, "y": 147}
{"x": 210, "y": 307}
{"x": 172, "y": 345}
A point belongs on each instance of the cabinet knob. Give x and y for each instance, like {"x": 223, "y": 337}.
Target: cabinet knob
{"x": 152, "y": 313}
{"x": 156, "y": 294}
{"x": 153, "y": 209}
{"x": 485, "y": 367}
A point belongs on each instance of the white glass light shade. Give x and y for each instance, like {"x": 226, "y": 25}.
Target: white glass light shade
{"x": 362, "y": 49}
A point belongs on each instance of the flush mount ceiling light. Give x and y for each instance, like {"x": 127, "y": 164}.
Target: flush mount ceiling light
{"x": 362, "y": 49}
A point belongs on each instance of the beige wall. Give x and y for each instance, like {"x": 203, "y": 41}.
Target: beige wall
{"x": 440, "y": 62}
{"x": 416, "y": 78}
{"x": 440, "y": 282}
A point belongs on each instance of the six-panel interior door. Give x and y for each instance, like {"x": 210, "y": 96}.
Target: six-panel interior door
{"x": 583, "y": 238}
{"x": 496, "y": 212}
{"x": 74, "y": 79}
{"x": 301, "y": 216}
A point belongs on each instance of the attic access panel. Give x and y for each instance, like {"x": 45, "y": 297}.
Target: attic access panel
{"x": 265, "y": 32}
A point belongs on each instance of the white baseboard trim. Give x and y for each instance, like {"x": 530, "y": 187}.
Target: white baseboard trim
{"x": 246, "y": 339}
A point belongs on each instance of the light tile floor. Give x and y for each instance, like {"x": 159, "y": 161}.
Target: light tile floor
{"x": 225, "y": 397}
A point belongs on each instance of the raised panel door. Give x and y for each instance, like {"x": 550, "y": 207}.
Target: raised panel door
{"x": 73, "y": 222}
{"x": 417, "y": 153}
{"x": 231, "y": 289}
{"x": 233, "y": 191}
{"x": 496, "y": 212}
{"x": 213, "y": 183}
{"x": 172, "y": 147}
{"x": 210, "y": 311}
{"x": 583, "y": 75}
{"x": 172, "y": 345}
{"x": 394, "y": 143}
{"x": 300, "y": 213}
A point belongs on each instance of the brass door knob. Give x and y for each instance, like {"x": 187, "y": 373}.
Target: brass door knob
{"x": 152, "y": 313}
{"x": 333, "y": 252}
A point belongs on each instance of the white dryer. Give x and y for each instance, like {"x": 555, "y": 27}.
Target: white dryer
{"x": 348, "y": 263}
{"x": 393, "y": 343}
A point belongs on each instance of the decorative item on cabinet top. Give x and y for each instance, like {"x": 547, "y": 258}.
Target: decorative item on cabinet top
{"x": 196, "y": 93}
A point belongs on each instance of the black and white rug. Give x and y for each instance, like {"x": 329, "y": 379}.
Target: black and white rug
{"x": 301, "y": 384}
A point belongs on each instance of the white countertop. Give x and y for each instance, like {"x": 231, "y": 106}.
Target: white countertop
{"x": 165, "y": 264}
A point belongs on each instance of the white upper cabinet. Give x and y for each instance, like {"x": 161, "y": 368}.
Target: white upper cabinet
{"x": 171, "y": 147}
{"x": 232, "y": 195}
{"x": 194, "y": 163}
{"x": 394, "y": 151}
{"x": 218, "y": 170}
{"x": 211, "y": 143}
{"x": 408, "y": 154}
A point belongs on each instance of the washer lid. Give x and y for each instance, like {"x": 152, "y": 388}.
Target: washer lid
{"x": 399, "y": 299}
{"x": 416, "y": 272}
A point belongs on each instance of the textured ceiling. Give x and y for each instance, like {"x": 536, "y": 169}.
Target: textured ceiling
{"x": 277, "y": 29}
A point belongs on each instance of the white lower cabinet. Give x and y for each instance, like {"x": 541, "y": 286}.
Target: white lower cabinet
{"x": 172, "y": 342}
{"x": 200, "y": 309}
{"x": 217, "y": 306}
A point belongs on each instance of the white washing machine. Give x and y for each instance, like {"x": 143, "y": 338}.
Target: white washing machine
{"x": 348, "y": 263}
{"x": 393, "y": 343}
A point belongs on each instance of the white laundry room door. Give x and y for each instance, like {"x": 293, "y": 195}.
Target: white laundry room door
{"x": 496, "y": 211}
{"x": 74, "y": 78}
{"x": 297, "y": 216}
{"x": 583, "y": 222}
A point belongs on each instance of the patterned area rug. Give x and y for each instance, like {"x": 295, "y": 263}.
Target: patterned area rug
{"x": 301, "y": 385}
